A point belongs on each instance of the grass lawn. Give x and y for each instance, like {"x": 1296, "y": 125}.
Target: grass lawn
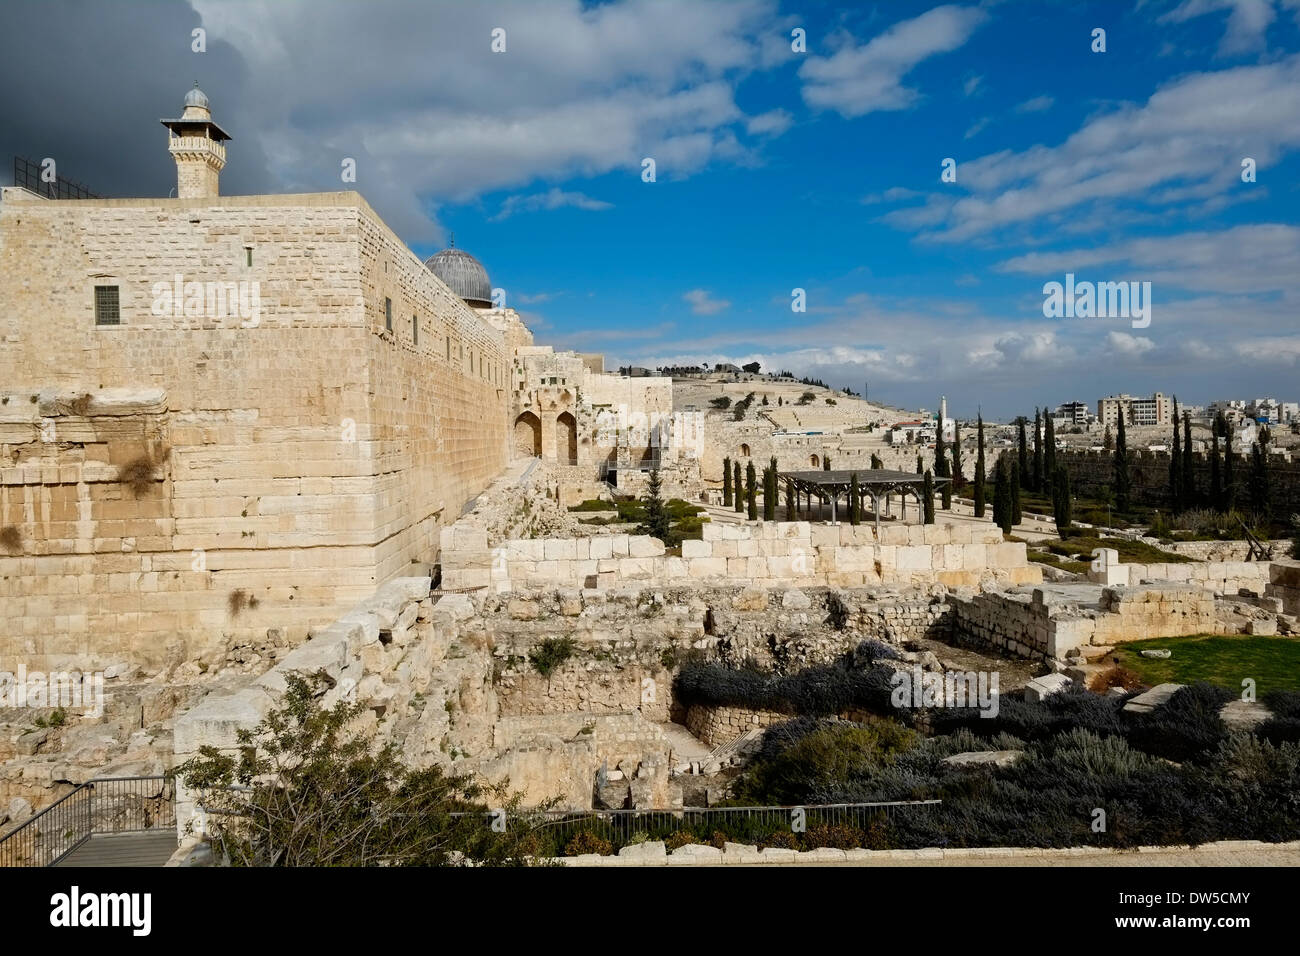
{"x": 1273, "y": 662}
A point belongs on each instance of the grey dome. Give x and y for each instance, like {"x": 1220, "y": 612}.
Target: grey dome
{"x": 464, "y": 275}
{"x": 196, "y": 97}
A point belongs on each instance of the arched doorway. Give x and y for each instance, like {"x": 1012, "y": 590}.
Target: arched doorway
{"x": 566, "y": 439}
{"x": 528, "y": 435}
{"x": 815, "y": 461}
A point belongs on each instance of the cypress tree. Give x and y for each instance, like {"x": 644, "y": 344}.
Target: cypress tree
{"x": 927, "y": 497}
{"x": 1036, "y": 476}
{"x": 1016, "y": 516}
{"x": 1121, "y": 476}
{"x": 769, "y": 492}
{"x": 1022, "y": 446}
{"x": 1176, "y": 466}
{"x": 956, "y": 456}
{"x": 1061, "y": 500}
{"x": 941, "y": 469}
{"x": 876, "y": 462}
{"x": 826, "y": 463}
{"x": 855, "y": 509}
{"x": 920, "y": 468}
{"x": 1049, "y": 454}
{"x": 1002, "y": 495}
{"x": 1108, "y": 443}
{"x": 1189, "y": 471}
{"x": 726, "y": 482}
{"x": 739, "y": 493}
{"x": 751, "y": 491}
{"x": 656, "y": 517}
{"x": 979, "y": 469}
{"x": 1216, "y": 477}
{"x": 791, "y": 509}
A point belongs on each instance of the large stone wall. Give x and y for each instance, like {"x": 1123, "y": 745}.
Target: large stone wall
{"x": 1049, "y": 622}
{"x": 767, "y": 554}
{"x": 297, "y": 460}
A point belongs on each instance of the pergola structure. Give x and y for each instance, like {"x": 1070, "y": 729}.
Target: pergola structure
{"x": 873, "y": 483}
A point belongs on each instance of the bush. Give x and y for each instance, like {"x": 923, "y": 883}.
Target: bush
{"x": 309, "y": 787}
{"x": 594, "y": 504}
{"x": 551, "y": 653}
{"x": 828, "y": 754}
{"x": 1187, "y": 727}
{"x": 585, "y": 841}
{"x": 679, "y": 839}
{"x": 838, "y": 836}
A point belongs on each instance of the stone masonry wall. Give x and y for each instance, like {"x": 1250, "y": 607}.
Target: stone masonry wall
{"x": 766, "y": 554}
{"x": 299, "y": 460}
{"x": 1049, "y": 622}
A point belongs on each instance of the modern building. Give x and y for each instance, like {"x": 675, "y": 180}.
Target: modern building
{"x": 1076, "y": 413}
{"x": 1137, "y": 411}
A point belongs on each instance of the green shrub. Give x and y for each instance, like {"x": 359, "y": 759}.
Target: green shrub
{"x": 551, "y": 653}
{"x": 594, "y": 504}
{"x": 584, "y": 841}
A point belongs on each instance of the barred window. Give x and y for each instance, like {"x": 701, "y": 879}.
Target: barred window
{"x": 107, "y": 307}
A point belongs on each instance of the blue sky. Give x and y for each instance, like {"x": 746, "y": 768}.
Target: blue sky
{"x": 817, "y": 170}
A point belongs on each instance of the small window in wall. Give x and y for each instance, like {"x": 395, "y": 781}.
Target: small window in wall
{"x": 107, "y": 307}
{"x": 449, "y": 348}
{"x": 388, "y": 314}
{"x": 248, "y": 256}
{"x": 415, "y": 330}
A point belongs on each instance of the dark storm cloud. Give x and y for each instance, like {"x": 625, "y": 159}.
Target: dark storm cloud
{"x": 85, "y": 83}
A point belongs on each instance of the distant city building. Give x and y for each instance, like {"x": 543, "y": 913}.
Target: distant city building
{"x": 1076, "y": 413}
{"x": 1156, "y": 410}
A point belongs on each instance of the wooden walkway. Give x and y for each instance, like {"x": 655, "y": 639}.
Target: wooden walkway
{"x": 150, "y": 848}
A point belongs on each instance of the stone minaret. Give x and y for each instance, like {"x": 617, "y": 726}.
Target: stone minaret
{"x": 196, "y": 143}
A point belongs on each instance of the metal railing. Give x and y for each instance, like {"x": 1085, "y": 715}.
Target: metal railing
{"x": 735, "y": 824}
{"x": 28, "y": 175}
{"x": 102, "y": 806}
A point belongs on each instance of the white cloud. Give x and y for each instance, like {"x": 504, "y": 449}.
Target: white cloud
{"x": 1125, "y": 345}
{"x": 1248, "y": 21}
{"x": 1188, "y": 139}
{"x": 432, "y": 115}
{"x": 977, "y": 127}
{"x": 703, "y": 303}
{"x": 1243, "y": 260}
{"x": 1036, "y": 105}
{"x": 551, "y": 199}
{"x": 772, "y": 123}
{"x": 856, "y": 80}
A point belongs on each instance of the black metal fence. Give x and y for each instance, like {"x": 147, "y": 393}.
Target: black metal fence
{"x": 108, "y": 805}
{"x": 29, "y": 176}
{"x": 768, "y": 825}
